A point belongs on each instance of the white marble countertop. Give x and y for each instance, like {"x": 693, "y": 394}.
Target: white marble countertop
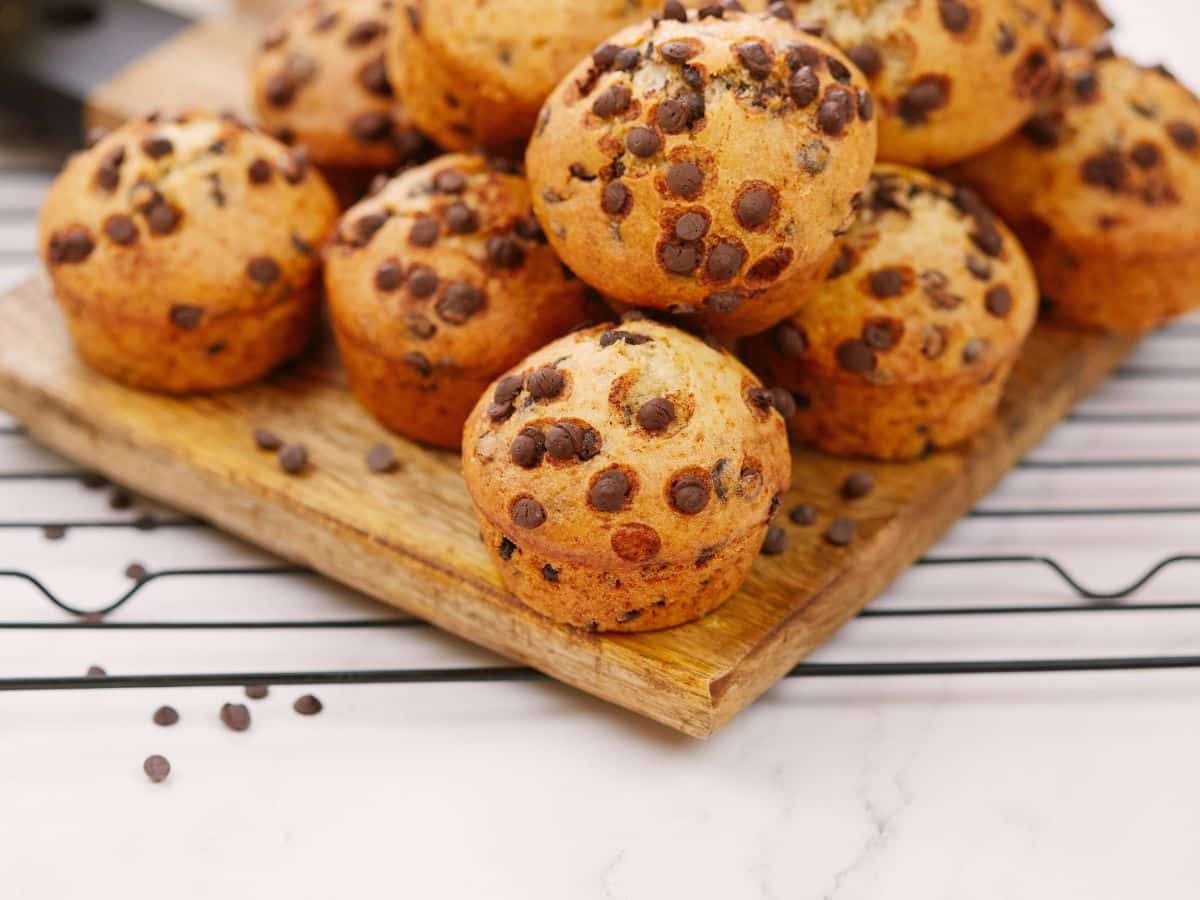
{"x": 959, "y": 787}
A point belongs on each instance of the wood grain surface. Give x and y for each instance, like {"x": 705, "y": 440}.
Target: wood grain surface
{"x": 410, "y": 539}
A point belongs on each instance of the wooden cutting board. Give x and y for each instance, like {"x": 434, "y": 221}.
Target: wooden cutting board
{"x": 410, "y": 538}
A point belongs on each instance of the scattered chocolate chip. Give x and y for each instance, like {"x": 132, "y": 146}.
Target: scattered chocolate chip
{"x": 612, "y": 101}
{"x": 381, "y": 459}
{"x": 956, "y": 15}
{"x": 858, "y": 485}
{"x": 166, "y": 716}
{"x": 235, "y": 716}
{"x": 263, "y": 270}
{"x": 293, "y": 458}
{"x": 689, "y": 494}
{"x": 422, "y": 280}
{"x": 855, "y": 356}
{"x": 674, "y": 10}
{"x": 691, "y": 226}
{"x": 840, "y": 532}
{"x": 266, "y": 440}
{"x": 724, "y": 261}
{"x": 775, "y": 541}
{"x": 528, "y": 513}
{"x": 120, "y": 229}
{"x": 998, "y": 301}
{"x": 803, "y": 86}
{"x": 605, "y": 56}
{"x": 754, "y": 207}
{"x": 989, "y": 240}
{"x": 610, "y": 491}
{"x": 157, "y": 768}
{"x": 867, "y": 58}
{"x": 459, "y": 302}
{"x": 308, "y": 705}
{"x": 256, "y": 691}
{"x": 544, "y": 383}
{"x": 643, "y": 141}
{"x": 508, "y": 389}
{"x": 389, "y": 275}
{"x": 424, "y": 232}
{"x": 804, "y": 515}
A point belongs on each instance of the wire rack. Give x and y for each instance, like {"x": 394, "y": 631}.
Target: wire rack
{"x": 22, "y": 176}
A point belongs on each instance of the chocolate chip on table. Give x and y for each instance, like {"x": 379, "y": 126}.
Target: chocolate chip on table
{"x": 308, "y": 705}
{"x": 96, "y": 672}
{"x": 612, "y": 101}
{"x": 120, "y": 498}
{"x": 136, "y": 572}
{"x": 685, "y": 179}
{"x": 840, "y": 532}
{"x": 803, "y": 86}
{"x": 381, "y": 459}
{"x": 256, "y": 691}
{"x": 157, "y": 768}
{"x": 293, "y": 458}
{"x": 93, "y": 480}
{"x": 642, "y": 142}
{"x": 775, "y": 541}
{"x": 528, "y": 513}
{"x": 955, "y": 15}
{"x": 867, "y": 58}
{"x": 689, "y": 494}
{"x": 858, "y": 485}
{"x": 656, "y": 415}
{"x": 54, "y": 532}
{"x": 610, "y": 491}
{"x": 804, "y": 514}
{"x": 235, "y": 716}
{"x": 544, "y": 383}
{"x": 263, "y": 270}
{"x": 166, "y": 716}
{"x": 616, "y": 199}
{"x": 265, "y": 439}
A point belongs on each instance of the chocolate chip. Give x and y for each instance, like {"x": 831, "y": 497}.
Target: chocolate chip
{"x": 685, "y": 180}
{"x": 504, "y": 252}
{"x": 326, "y": 21}
{"x": 461, "y": 219}
{"x": 267, "y": 440}
{"x": 754, "y": 207}
{"x": 449, "y": 181}
{"x": 96, "y": 672}
{"x": 259, "y": 171}
{"x": 364, "y": 32}
{"x": 998, "y": 301}
{"x": 885, "y": 283}
{"x": 564, "y": 440}
{"x": 689, "y": 495}
{"x": 279, "y": 89}
{"x": 674, "y": 10}
{"x": 840, "y": 532}
{"x": 1085, "y": 84}
{"x": 656, "y": 415}
{"x": 72, "y": 245}
{"x": 783, "y": 401}
{"x": 673, "y": 116}
{"x": 835, "y": 112}
{"x": 867, "y": 59}
{"x": 263, "y": 270}
{"x": 679, "y": 259}
{"x": 459, "y": 302}
{"x": 136, "y": 572}
{"x": 235, "y": 716}
{"x": 605, "y": 56}
{"x": 120, "y": 499}
{"x": 418, "y": 361}
{"x": 381, "y": 459}
{"x": 933, "y": 342}
{"x": 389, "y": 275}
{"x": 855, "y": 356}
{"x": 756, "y": 57}
{"x": 529, "y": 229}
{"x": 120, "y": 229}
{"x": 979, "y": 267}
{"x": 882, "y": 334}
{"x": 858, "y": 485}
{"x": 723, "y": 302}
{"x": 157, "y": 768}
{"x": 527, "y": 448}
{"x": 775, "y": 541}
{"x": 550, "y": 573}
{"x": 627, "y": 59}
{"x": 256, "y": 691}
{"x": 293, "y": 166}
{"x": 544, "y": 383}
{"x": 528, "y": 513}
{"x": 676, "y": 52}
{"x": 615, "y": 335}
{"x": 804, "y": 515}
{"x": 1145, "y": 155}
{"x": 54, "y": 532}
{"x": 1184, "y": 135}
{"x": 185, "y": 316}
{"x": 989, "y": 240}
{"x": 691, "y": 226}
{"x": 422, "y": 281}
{"x": 293, "y": 458}
{"x": 724, "y": 261}
{"x": 616, "y": 200}
{"x": 156, "y": 146}
{"x": 162, "y": 217}
{"x": 956, "y": 15}
{"x": 789, "y": 340}
{"x": 308, "y": 705}
{"x": 374, "y": 79}
{"x": 803, "y": 86}
{"x": 926, "y": 94}
{"x": 1006, "y": 39}
{"x": 610, "y": 491}
{"x": 973, "y": 351}
{"x": 424, "y": 232}
{"x": 643, "y": 142}
{"x": 1106, "y": 170}
{"x": 866, "y": 105}
{"x": 612, "y": 101}
{"x": 508, "y": 389}
{"x": 166, "y": 716}
{"x": 507, "y": 548}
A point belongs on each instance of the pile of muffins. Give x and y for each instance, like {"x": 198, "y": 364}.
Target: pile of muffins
{"x": 638, "y": 207}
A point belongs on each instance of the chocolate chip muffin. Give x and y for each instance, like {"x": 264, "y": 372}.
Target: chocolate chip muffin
{"x": 182, "y": 249}
{"x": 910, "y": 342}
{"x": 320, "y": 81}
{"x": 624, "y": 476}
{"x": 439, "y": 283}
{"x": 474, "y": 75}
{"x": 1103, "y": 187}
{"x": 1083, "y": 23}
{"x": 693, "y": 162}
{"x": 950, "y": 77}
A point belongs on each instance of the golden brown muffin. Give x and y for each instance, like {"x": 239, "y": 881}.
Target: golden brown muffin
{"x": 909, "y": 344}
{"x": 439, "y": 283}
{"x": 950, "y": 77}
{"x": 1083, "y": 23}
{"x": 319, "y": 81}
{"x": 1103, "y": 187}
{"x": 182, "y": 250}
{"x": 624, "y": 476}
{"x": 475, "y": 74}
{"x": 690, "y": 166}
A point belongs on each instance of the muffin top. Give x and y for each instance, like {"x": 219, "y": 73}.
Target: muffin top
{"x": 319, "y": 79}
{"x": 950, "y": 77}
{"x": 929, "y": 285}
{"x": 446, "y": 266}
{"x": 1112, "y": 159}
{"x": 623, "y": 444}
{"x": 696, "y": 160}
{"x": 188, "y": 205}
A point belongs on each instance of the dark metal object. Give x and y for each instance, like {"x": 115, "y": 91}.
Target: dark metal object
{"x": 54, "y": 53}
